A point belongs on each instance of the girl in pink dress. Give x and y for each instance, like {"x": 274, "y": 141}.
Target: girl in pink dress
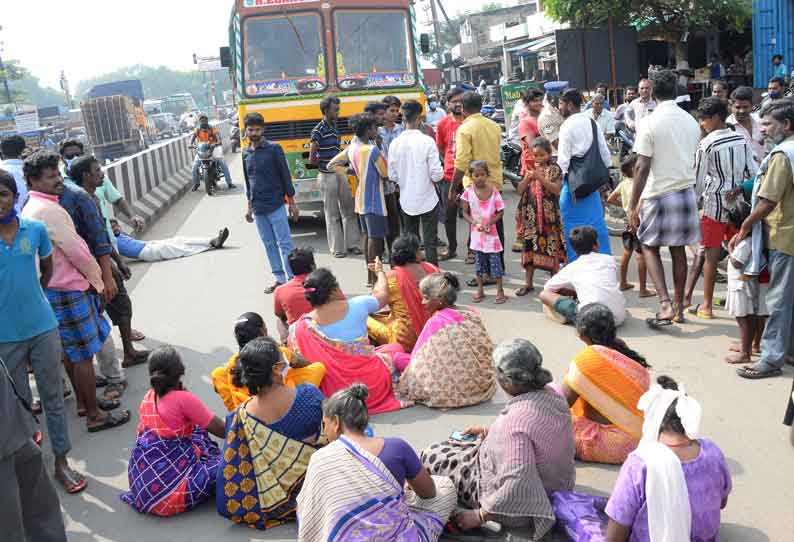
{"x": 483, "y": 207}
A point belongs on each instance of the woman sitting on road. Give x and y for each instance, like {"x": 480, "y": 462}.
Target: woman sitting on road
{"x": 451, "y": 364}
{"x": 406, "y": 316}
{"x": 335, "y": 333}
{"x": 527, "y": 453}
{"x": 675, "y": 484}
{"x": 269, "y": 440}
{"x": 227, "y": 380}
{"x": 174, "y": 462}
{"x": 355, "y": 486}
{"x": 603, "y": 385}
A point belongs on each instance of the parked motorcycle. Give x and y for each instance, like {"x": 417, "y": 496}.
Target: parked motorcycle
{"x": 511, "y": 162}
{"x": 210, "y": 171}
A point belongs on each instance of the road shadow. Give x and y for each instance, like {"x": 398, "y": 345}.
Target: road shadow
{"x": 731, "y": 532}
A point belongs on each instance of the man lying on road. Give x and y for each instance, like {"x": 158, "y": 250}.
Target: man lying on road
{"x": 165, "y": 249}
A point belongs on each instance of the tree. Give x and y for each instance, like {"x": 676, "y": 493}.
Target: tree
{"x": 25, "y": 87}
{"x": 672, "y": 17}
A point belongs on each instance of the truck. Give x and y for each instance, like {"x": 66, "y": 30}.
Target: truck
{"x": 115, "y": 120}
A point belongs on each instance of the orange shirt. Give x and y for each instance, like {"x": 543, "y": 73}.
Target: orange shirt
{"x": 207, "y": 136}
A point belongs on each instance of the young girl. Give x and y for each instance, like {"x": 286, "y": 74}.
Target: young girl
{"x": 482, "y": 208}
{"x": 622, "y": 195}
{"x": 539, "y": 213}
{"x": 746, "y": 302}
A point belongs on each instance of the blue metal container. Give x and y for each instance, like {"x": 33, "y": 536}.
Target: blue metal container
{"x": 773, "y": 33}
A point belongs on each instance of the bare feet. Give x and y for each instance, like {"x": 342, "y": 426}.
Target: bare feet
{"x": 626, "y": 286}
{"x": 738, "y": 357}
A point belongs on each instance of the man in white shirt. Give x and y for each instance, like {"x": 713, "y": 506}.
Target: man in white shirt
{"x": 592, "y": 278}
{"x": 664, "y": 179}
{"x": 744, "y": 122}
{"x": 519, "y": 110}
{"x": 11, "y": 148}
{"x": 415, "y": 166}
{"x": 602, "y": 115}
{"x": 576, "y": 138}
{"x": 434, "y": 112}
{"x": 640, "y": 107}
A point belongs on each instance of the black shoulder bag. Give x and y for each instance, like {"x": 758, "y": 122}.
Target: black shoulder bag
{"x": 587, "y": 173}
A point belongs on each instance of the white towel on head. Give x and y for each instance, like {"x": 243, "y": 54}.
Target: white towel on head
{"x": 666, "y": 493}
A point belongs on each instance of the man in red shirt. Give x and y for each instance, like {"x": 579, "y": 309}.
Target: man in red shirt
{"x": 289, "y": 299}
{"x": 445, "y": 139}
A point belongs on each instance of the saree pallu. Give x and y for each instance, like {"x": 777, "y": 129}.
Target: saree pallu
{"x": 260, "y": 474}
{"x": 347, "y": 363}
{"x": 542, "y": 241}
{"x": 350, "y": 496}
{"x": 234, "y": 396}
{"x": 407, "y": 315}
{"x": 452, "y": 363}
{"x": 610, "y": 383}
{"x": 170, "y": 471}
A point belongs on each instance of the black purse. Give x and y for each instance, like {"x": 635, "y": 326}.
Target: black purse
{"x": 587, "y": 173}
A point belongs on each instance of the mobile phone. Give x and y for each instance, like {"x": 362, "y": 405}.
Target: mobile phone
{"x": 461, "y": 437}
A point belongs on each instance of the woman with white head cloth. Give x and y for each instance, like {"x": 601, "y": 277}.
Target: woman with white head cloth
{"x": 672, "y": 488}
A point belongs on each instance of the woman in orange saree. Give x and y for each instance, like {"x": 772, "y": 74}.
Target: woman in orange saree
{"x": 407, "y": 316}
{"x": 603, "y": 385}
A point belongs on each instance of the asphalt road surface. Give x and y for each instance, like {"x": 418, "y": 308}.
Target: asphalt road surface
{"x": 192, "y": 304}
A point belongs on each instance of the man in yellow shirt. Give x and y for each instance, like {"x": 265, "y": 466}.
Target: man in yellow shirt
{"x": 478, "y": 138}
{"x": 775, "y": 206}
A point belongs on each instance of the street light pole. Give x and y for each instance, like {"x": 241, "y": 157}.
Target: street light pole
{"x": 5, "y": 75}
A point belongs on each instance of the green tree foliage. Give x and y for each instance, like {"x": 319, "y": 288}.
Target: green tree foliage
{"x": 25, "y": 87}
{"x": 674, "y": 16}
{"x": 161, "y": 81}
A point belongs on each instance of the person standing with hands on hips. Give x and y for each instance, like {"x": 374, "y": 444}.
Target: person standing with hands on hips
{"x": 267, "y": 183}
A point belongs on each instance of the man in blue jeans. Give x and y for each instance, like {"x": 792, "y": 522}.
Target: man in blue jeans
{"x": 774, "y": 204}
{"x": 267, "y": 183}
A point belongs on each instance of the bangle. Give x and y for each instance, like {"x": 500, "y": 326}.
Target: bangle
{"x": 482, "y": 517}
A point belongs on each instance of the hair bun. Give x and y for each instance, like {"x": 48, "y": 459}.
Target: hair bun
{"x": 452, "y": 279}
{"x": 667, "y": 383}
{"x": 359, "y": 391}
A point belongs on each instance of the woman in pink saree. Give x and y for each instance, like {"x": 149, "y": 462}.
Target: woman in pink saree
{"x": 451, "y": 364}
{"x": 335, "y": 333}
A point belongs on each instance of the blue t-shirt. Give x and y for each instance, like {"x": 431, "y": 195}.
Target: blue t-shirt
{"x": 354, "y": 325}
{"x": 129, "y": 247}
{"x": 400, "y": 459}
{"x": 21, "y": 294}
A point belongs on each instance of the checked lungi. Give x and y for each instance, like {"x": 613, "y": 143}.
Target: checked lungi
{"x": 83, "y": 329}
{"x": 670, "y": 220}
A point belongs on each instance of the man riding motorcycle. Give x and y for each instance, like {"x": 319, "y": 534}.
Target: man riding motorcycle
{"x": 205, "y": 133}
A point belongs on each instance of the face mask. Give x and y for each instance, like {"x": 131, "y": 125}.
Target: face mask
{"x": 205, "y": 126}
{"x": 68, "y": 161}
{"x": 433, "y": 105}
{"x": 774, "y": 95}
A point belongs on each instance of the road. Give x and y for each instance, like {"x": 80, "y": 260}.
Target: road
{"x": 192, "y": 304}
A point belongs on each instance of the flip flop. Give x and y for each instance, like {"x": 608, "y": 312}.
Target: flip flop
{"x": 627, "y": 287}
{"x": 115, "y": 390}
{"x": 488, "y": 282}
{"x": 477, "y": 299}
{"x": 104, "y": 403}
{"x": 112, "y": 420}
{"x": 72, "y": 481}
{"x": 500, "y": 300}
{"x": 649, "y": 293}
{"x": 754, "y": 374}
{"x": 521, "y": 292}
{"x": 658, "y": 323}
{"x": 141, "y": 356}
{"x": 136, "y": 336}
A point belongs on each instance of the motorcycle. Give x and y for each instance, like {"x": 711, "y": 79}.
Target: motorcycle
{"x": 210, "y": 171}
{"x": 511, "y": 162}
{"x": 235, "y": 138}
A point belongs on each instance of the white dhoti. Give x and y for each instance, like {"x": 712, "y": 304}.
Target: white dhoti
{"x": 175, "y": 247}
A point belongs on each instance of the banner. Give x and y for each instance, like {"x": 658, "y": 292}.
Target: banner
{"x": 511, "y": 93}
{"x": 27, "y": 121}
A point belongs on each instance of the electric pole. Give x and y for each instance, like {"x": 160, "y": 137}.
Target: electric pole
{"x": 439, "y": 58}
{"x": 4, "y": 74}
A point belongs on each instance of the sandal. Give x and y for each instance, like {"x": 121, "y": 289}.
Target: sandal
{"x": 104, "y": 403}
{"x": 500, "y": 300}
{"x": 272, "y": 288}
{"x": 658, "y": 323}
{"x": 115, "y": 390}
{"x": 477, "y": 298}
{"x": 101, "y": 381}
{"x": 626, "y": 287}
{"x": 111, "y": 420}
{"x": 703, "y": 315}
{"x": 72, "y": 481}
{"x": 136, "y": 336}
{"x": 524, "y": 290}
{"x": 646, "y": 293}
{"x": 140, "y": 357}
{"x": 486, "y": 282}
{"x": 752, "y": 373}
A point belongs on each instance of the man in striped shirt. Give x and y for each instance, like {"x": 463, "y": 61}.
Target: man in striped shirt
{"x": 340, "y": 219}
{"x": 724, "y": 160}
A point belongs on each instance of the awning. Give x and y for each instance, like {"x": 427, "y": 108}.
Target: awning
{"x": 542, "y": 44}
{"x": 479, "y": 61}
{"x": 532, "y": 46}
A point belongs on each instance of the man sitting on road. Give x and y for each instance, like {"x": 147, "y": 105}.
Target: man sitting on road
{"x": 165, "y": 249}
{"x": 289, "y": 300}
{"x": 591, "y": 278}
{"x": 208, "y": 134}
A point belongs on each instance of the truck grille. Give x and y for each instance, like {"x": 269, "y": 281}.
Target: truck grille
{"x": 301, "y": 129}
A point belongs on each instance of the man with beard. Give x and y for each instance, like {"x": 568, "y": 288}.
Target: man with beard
{"x": 744, "y": 122}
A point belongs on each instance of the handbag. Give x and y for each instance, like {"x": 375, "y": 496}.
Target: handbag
{"x": 587, "y": 173}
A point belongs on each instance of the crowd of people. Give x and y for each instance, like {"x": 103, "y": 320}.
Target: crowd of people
{"x": 297, "y": 443}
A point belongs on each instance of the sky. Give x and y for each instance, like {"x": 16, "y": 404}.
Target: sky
{"x": 91, "y": 37}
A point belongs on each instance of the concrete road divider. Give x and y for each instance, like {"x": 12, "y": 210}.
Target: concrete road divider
{"x": 152, "y": 180}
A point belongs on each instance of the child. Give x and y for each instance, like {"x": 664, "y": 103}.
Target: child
{"x": 539, "y": 213}
{"x": 622, "y": 195}
{"x": 591, "y": 278}
{"x": 746, "y": 303}
{"x": 482, "y": 208}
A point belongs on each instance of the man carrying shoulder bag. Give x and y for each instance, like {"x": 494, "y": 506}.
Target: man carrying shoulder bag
{"x": 584, "y": 158}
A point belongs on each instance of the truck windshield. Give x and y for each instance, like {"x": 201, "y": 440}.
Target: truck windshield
{"x": 373, "y": 49}
{"x": 283, "y": 55}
